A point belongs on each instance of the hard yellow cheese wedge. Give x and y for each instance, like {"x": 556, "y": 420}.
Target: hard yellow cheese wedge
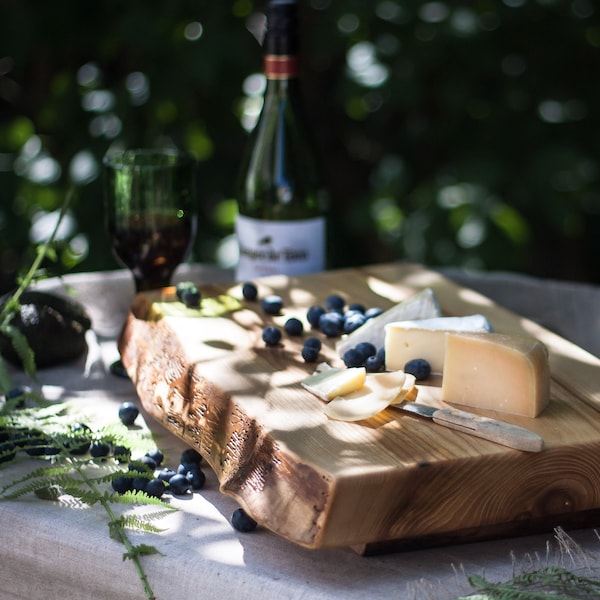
{"x": 497, "y": 372}
{"x": 379, "y": 391}
{"x": 425, "y": 338}
{"x": 329, "y": 383}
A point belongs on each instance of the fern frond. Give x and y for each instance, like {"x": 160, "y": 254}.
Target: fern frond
{"x": 140, "y": 550}
{"x": 63, "y": 481}
{"x": 22, "y": 348}
{"x": 136, "y": 523}
{"x": 5, "y": 383}
{"x": 547, "y": 582}
{"x": 46, "y": 472}
{"x": 131, "y": 498}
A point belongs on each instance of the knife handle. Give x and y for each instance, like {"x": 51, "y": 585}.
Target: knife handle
{"x": 489, "y": 429}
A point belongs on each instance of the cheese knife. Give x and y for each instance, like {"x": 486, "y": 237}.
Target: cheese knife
{"x": 493, "y": 430}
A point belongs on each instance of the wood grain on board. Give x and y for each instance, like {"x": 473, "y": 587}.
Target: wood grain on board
{"x": 395, "y": 480}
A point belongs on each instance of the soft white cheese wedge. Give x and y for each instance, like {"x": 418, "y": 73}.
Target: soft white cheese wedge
{"x": 423, "y": 305}
{"x": 380, "y": 391}
{"x": 498, "y": 372}
{"x": 331, "y": 382}
{"x": 426, "y": 338}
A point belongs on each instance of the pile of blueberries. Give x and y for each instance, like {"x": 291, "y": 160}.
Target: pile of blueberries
{"x": 144, "y": 474}
{"x": 333, "y": 319}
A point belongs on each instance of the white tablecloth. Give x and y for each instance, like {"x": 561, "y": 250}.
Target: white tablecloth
{"x": 50, "y": 551}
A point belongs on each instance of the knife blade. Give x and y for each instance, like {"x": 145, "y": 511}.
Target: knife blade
{"x": 493, "y": 430}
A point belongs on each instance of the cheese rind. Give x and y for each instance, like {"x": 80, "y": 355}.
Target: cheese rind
{"x": 426, "y": 338}
{"x": 496, "y": 372}
{"x": 423, "y": 305}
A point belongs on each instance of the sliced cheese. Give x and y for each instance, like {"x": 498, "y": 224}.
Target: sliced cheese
{"x": 332, "y": 382}
{"x": 498, "y": 372}
{"x": 422, "y": 305}
{"x": 380, "y": 391}
{"x": 426, "y": 338}
{"x": 409, "y": 391}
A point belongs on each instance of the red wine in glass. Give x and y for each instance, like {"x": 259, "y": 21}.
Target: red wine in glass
{"x": 152, "y": 246}
{"x": 151, "y": 212}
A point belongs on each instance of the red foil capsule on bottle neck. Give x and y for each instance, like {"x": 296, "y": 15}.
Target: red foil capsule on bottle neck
{"x": 280, "y": 67}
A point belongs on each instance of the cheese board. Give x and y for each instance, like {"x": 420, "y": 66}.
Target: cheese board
{"x": 390, "y": 482}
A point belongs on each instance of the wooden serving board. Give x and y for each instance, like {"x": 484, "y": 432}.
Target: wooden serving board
{"x": 393, "y": 481}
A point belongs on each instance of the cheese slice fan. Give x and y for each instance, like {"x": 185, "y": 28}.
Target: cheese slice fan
{"x": 379, "y": 391}
{"x": 329, "y": 383}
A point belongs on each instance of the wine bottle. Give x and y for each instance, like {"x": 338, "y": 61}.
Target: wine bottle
{"x": 281, "y": 225}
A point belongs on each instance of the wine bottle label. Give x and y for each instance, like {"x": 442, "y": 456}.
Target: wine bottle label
{"x": 280, "y": 67}
{"x": 279, "y": 247}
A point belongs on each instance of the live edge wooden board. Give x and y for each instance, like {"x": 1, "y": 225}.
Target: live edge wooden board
{"x": 392, "y": 482}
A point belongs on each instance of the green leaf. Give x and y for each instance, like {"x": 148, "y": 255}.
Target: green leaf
{"x": 22, "y": 348}
{"x": 5, "y": 382}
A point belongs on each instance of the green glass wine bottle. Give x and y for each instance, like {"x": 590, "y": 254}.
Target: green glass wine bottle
{"x": 281, "y": 225}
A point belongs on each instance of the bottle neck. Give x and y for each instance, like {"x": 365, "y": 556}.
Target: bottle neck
{"x": 280, "y": 67}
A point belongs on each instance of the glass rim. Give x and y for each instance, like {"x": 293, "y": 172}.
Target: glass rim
{"x": 147, "y": 158}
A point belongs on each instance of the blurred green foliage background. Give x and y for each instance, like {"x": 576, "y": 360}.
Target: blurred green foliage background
{"x": 451, "y": 133}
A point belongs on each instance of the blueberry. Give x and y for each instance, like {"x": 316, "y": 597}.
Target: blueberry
{"x": 271, "y": 335}
{"x": 137, "y": 466}
{"x": 156, "y": 455}
{"x": 179, "y": 485}
{"x": 166, "y": 474}
{"x": 183, "y": 468}
{"x": 272, "y": 304}
{"x": 249, "y": 291}
{"x": 242, "y": 522}
{"x": 99, "y": 449}
{"x": 121, "y": 453}
{"x": 52, "y": 450}
{"x": 294, "y": 326}
{"x": 310, "y": 354}
{"x": 373, "y": 312}
{"x": 36, "y": 445}
{"x": 196, "y": 478}
{"x": 118, "y": 369}
{"x": 353, "y": 358}
{"x": 155, "y": 488}
{"x": 139, "y": 484}
{"x": 148, "y": 462}
{"x": 313, "y": 315}
{"x": 313, "y": 342}
{"x": 7, "y": 451}
{"x": 182, "y": 287}
{"x": 190, "y": 456}
{"x": 191, "y": 297}
{"x": 335, "y": 302}
{"x": 17, "y": 396}
{"x": 331, "y": 324}
{"x": 418, "y": 367}
{"x": 357, "y": 307}
{"x": 78, "y": 441}
{"x": 374, "y": 364}
{"x": 121, "y": 484}
{"x": 353, "y": 321}
{"x": 128, "y": 413}
{"x": 366, "y": 349}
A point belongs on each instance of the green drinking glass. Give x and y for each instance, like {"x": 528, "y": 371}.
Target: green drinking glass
{"x": 151, "y": 211}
